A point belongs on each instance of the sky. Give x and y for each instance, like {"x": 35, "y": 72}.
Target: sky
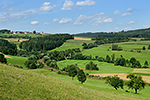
{"x": 74, "y": 16}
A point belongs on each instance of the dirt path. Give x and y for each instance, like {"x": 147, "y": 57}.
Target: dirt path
{"x": 82, "y": 39}
{"x": 122, "y": 76}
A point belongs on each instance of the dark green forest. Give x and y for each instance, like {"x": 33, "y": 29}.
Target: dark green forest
{"x": 48, "y": 42}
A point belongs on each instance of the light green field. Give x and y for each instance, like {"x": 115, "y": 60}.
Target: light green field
{"x": 15, "y": 60}
{"x": 70, "y": 44}
{"x": 132, "y": 45}
{"x": 41, "y": 84}
{"x": 102, "y": 52}
{"x": 103, "y": 66}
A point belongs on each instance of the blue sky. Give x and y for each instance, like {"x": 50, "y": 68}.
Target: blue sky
{"x": 74, "y": 16}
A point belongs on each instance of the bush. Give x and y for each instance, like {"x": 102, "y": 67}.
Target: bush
{"x": 59, "y": 72}
{"x": 91, "y": 66}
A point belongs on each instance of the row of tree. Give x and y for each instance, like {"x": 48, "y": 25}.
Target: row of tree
{"x": 88, "y": 46}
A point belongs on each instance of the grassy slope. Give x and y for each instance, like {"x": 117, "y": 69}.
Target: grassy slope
{"x": 70, "y": 44}
{"x": 103, "y": 66}
{"x": 25, "y": 84}
{"x": 102, "y": 52}
{"x": 15, "y": 60}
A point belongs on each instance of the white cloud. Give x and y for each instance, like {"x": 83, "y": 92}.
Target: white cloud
{"x": 95, "y": 19}
{"x": 116, "y": 28}
{"x": 116, "y": 12}
{"x": 126, "y": 14}
{"x": 46, "y": 3}
{"x": 16, "y": 16}
{"x": 46, "y": 7}
{"x": 129, "y": 12}
{"x": 35, "y": 22}
{"x": 55, "y": 20}
{"x": 68, "y": 5}
{"x": 65, "y": 20}
{"x": 131, "y": 22}
{"x": 86, "y": 3}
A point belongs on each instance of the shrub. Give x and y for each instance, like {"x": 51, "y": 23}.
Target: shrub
{"x": 91, "y": 66}
{"x": 59, "y": 72}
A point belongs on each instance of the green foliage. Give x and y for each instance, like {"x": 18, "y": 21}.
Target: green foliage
{"x": 48, "y": 42}
{"x": 135, "y": 82}
{"x": 81, "y": 76}
{"x": 72, "y": 70}
{"x": 145, "y": 64}
{"x": 52, "y": 63}
{"x": 91, "y": 66}
{"x": 114, "y": 81}
{"x": 59, "y": 72}
{"x": 108, "y": 59}
{"x": 3, "y": 59}
{"x": 143, "y": 48}
{"x": 148, "y": 47}
{"x": 114, "y": 46}
{"x": 8, "y": 48}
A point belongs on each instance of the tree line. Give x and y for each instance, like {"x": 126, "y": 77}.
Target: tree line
{"x": 48, "y": 42}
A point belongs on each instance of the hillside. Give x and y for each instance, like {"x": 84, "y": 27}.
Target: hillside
{"x": 25, "y": 84}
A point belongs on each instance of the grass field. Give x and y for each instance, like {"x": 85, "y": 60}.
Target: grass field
{"x": 102, "y": 52}
{"x": 103, "y": 66}
{"x": 43, "y": 84}
{"x": 15, "y": 60}
{"x": 70, "y": 44}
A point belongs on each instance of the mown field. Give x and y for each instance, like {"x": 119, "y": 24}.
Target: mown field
{"x": 43, "y": 84}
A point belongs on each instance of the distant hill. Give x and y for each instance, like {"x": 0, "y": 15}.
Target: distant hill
{"x": 20, "y": 84}
{"x": 139, "y": 33}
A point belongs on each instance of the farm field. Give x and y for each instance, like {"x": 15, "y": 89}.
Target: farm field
{"x": 43, "y": 84}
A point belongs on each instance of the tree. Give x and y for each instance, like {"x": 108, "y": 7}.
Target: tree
{"x": 148, "y": 47}
{"x": 72, "y": 71}
{"x": 81, "y": 76}
{"x": 113, "y": 57}
{"x": 34, "y": 32}
{"x": 114, "y": 46}
{"x": 3, "y": 59}
{"x": 114, "y": 81}
{"x": 135, "y": 82}
{"x": 144, "y": 48}
{"x": 91, "y": 66}
{"x": 108, "y": 59}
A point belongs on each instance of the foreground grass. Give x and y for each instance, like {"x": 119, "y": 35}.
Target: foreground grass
{"x": 103, "y": 66}
{"x": 15, "y": 60}
{"x": 42, "y": 84}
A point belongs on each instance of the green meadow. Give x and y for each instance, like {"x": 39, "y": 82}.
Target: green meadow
{"x": 43, "y": 84}
{"x": 103, "y": 66}
{"x": 15, "y": 60}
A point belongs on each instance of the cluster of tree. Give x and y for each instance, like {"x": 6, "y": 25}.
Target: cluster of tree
{"x": 5, "y": 31}
{"x": 8, "y": 48}
{"x": 74, "y": 70}
{"x": 33, "y": 64}
{"x": 91, "y": 66}
{"x": 16, "y": 36}
{"x": 139, "y": 33}
{"x": 47, "y": 42}
{"x": 135, "y": 82}
{"x": 88, "y": 46}
{"x": 115, "y": 47}
{"x": 28, "y": 54}
{"x": 3, "y": 59}
{"x": 106, "y": 40}
{"x": 49, "y": 62}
